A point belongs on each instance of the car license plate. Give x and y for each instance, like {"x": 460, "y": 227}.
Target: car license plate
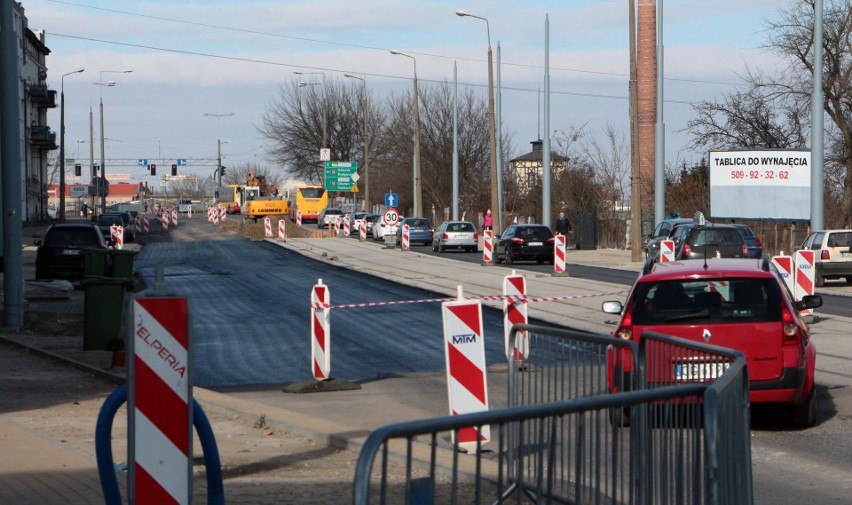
{"x": 699, "y": 371}
{"x": 845, "y": 255}
{"x": 71, "y": 252}
{"x": 536, "y": 244}
{"x": 462, "y": 235}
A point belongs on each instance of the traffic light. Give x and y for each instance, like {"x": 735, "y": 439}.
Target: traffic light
{"x": 97, "y": 168}
{"x": 174, "y": 169}
{"x": 153, "y": 169}
{"x": 221, "y": 171}
{"x": 78, "y": 170}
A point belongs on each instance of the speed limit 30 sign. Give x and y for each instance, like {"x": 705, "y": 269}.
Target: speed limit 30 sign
{"x": 390, "y": 217}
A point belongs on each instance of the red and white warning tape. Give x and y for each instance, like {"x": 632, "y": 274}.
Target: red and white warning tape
{"x": 527, "y": 299}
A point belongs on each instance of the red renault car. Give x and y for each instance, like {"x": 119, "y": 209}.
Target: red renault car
{"x": 737, "y": 303}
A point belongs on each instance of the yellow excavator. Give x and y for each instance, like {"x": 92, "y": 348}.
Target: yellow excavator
{"x": 262, "y": 205}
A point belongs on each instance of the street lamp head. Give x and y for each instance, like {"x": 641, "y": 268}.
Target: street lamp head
{"x": 395, "y": 52}
{"x": 127, "y": 71}
{"x": 462, "y": 13}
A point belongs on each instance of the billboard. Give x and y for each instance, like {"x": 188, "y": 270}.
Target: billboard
{"x": 760, "y": 184}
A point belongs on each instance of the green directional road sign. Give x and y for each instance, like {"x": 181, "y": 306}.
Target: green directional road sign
{"x": 340, "y": 175}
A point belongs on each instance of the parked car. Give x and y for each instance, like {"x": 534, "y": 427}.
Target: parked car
{"x": 709, "y": 241}
{"x": 371, "y": 220}
{"x": 59, "y": 253}
{"x": 455, "y": 235}
{"x": 662, "y": 232}
{"x": 419, "y": 230}
{"x": 129, "y": 220}
{"x": 107, "y": 220}
{"x": 380, "y": 229}
{"x": 355, "y": 220}
{"x": 328, "y": 215}
{"x": 741, "y": 304}
{"x": 833, "y": 254}
{"x": 519, "y": 242}
{"x": 753, "y": 243}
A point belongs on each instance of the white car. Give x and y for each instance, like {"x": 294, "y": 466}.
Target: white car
{"x": 328, "y": 215}
{"x": 380, "y": 229}
{"x": 833, "y": 250}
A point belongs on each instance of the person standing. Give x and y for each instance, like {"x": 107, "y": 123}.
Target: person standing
{"x": 487, "y": 221}
{"x": 84, "y": 210}
{"x": 563, "y": 225}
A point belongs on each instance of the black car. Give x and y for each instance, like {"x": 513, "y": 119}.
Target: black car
{"x": 107, "y": 220}
{"x": 711, "y": 241}
{"x": 59, "y": 252}
{"x": 519, "y": 242}
{"x": 129, "y": 221}
{"x": 662, "y": 232}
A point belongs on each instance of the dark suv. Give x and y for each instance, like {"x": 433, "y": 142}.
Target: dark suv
{"x": 662, "y": 232}
{"x": 59, "y": 253}
{"x": 742, "y": 304}
{"x": 525, "y": 242}
{"x": 711, "y": 241}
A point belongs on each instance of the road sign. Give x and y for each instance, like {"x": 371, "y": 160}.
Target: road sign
{"x": 391, "y": 200}
{"x": 141, "y": 162}
{"x": 181, "y": 162}
{"x": 390, "y": 217}
{"x": 338, "y": 175}
{"x": 325, "y": 154}
{"x": 79, "y": 191}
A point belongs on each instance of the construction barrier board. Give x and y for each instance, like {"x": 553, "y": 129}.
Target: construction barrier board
{"x": 667, "y": 251}
{"x": 515, "y": 312}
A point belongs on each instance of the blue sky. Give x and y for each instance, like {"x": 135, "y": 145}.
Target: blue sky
{"x": 191, "y": 58}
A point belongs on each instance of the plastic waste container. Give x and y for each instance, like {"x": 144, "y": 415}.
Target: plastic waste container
{"x": 122, "y": 264}
{"x": 102, "y": 308}
{"x": 94, "y": 262}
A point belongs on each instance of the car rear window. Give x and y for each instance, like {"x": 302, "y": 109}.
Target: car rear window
{"x": 71, "y": 236}
{"x": 417, "y": 222}
{"x": 726, "y": 236}
{"x": 107, "y": 220}
{"x": 461, "y": 227}
{"x": 707, "y": 301}
{"x": 534, "y": 232}
{"x": 839, "y": 240}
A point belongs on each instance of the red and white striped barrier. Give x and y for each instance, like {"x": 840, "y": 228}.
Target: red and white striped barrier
{"x": 487, "y": 247}
{"x": 320, "y": 331}
{"x": 464, "y": 351}
{"x": 146, "y": 226}
{"x": 116, "y": 234}
{"x": 216, "y": 214}
{"x": 667, "y": 251}
{"x": 174, "y": 217}
{"x": 160, "y": 401}
{"x": 337, "y": 226}
{"x": 784, "y": 264}
{"x": 137, "y": 224}
{"x": 347, "y": 227}
{"x": 298, "y": 218}
{"x": 805, "y": 276}
{"x": 164, "y": 221}
{"x": 406, "y": 236}
{"x": 559, "y": 255}
{"x": 189, "y": 211}
{"x": 282, "y": 230}
{"x": 223, "y": 213}
{"x": 267, "y": 227}
{"x": 362, "y": 231}
{"x": 515, "y": 312}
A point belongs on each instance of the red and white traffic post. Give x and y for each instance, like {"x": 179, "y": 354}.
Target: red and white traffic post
{"x": 223, "y": 213}
{"x": 362, "y": 230}
{"x": 515, "y": 312}
{"x": 164, "y": 221}
{"x": 805, "y": 265}
{"x": 320, "y": 331}
{"x": 298, "y": 218}
{"x": 282, "y": 230}
{"x": 347, "y": 226}
{"x": 784, "y": 264}
{"x": 267, "y": 227}
{"x": 174, "y": 217}
{"x": 464, "y": 351}
{"x": 559, "y": 256}
{"x": 488, "y": 247}
{"x": 146, "y": 226}
{"x": 667, "y": 251}
{"x": 160, "y": 402}
{"x": 116, "y": 234}
{"x": 137, "y": 224}
{"x": 406, "y": 237}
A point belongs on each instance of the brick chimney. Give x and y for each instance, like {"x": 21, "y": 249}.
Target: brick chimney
{"x": 646, "y": 77}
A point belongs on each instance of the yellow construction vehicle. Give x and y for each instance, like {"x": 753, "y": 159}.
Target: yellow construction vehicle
{"x": 259, "y": 204}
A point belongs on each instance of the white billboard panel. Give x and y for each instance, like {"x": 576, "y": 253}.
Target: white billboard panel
{"x": 760, "y": 184}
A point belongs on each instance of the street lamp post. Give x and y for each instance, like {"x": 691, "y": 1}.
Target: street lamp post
{"x": 103, "y": 158}
{"x": 418, "y": 191}
{"x": 324, "y": 105}
{"x": 491, "y": 126}
{"x": 61, "y": 211}
{"x": 219, "y": 141}
{"x": 366, "y": 144}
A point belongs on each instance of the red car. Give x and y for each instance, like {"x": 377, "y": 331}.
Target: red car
{"x": 736, "y": 303}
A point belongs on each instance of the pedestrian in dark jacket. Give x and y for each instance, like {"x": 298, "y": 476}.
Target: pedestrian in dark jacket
{"x": 563, "y": 225}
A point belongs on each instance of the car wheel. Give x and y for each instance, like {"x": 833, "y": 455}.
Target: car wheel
{"x": 497, "y": 259}
{"x": 804, "y": 415}
{"x": 819, "y": 281}
{"x": 442, "y": 248}
{"x": 849, "y": 279}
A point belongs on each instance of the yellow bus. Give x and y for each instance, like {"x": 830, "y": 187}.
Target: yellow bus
{"x": 310, "y": 201}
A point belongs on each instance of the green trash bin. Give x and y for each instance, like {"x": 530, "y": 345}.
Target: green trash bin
{"x": 94, "y": 262}
{"x": 103, "y": 305}
{"x": 122, "y": 264}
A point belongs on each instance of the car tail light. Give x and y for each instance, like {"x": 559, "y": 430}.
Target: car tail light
{"x": 625, "y": 331}
{"x": 789, "y": 327}
{"x": 825, "y": 255}
{"x": 757, "y": 242}
{"x": 517, "y": 240}
{"x": 445, "y": 236}
{"x": 475, "y": 236}
{"x": 550, "y": 240}
{"x": 745, "y": 251}
{"x": 687, "y": 251}
{"x": 431, "y": 230}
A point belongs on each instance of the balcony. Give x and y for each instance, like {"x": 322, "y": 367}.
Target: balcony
{"x": 42, "y": 138}
{"x": 41, "y": 96}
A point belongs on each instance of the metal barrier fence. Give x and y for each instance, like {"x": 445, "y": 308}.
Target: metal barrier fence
{"x": 564, "y": 440}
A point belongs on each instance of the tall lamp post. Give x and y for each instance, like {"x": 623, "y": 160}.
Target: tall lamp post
{"x": 324, "y": 99}
{"x": 418, "y": 192}
{"x": 491, "y": 127}
{"x": 103, "y": 158}
{"x": 366, "y": 144}
{"x": 62, "y": 145}
{"x": 219, "y": 141}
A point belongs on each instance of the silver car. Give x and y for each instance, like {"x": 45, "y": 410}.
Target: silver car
{"x": 456, "y": 235}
